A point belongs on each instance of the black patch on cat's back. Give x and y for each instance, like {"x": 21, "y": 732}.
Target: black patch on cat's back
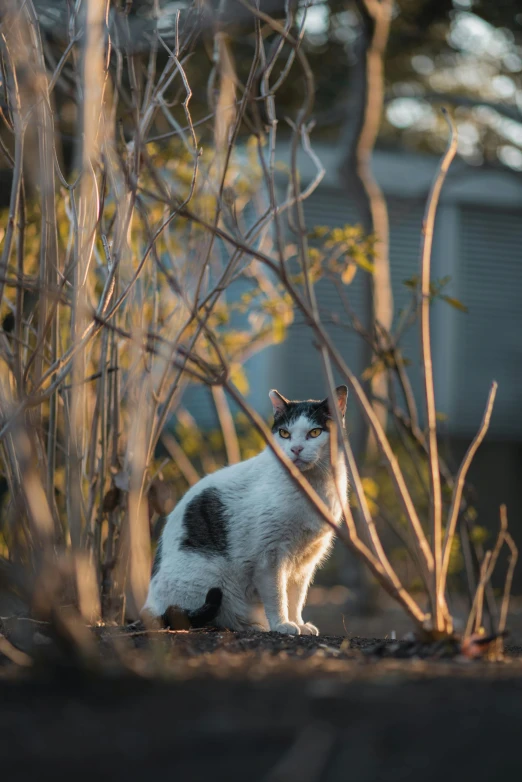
{"x": 206, "y": 524}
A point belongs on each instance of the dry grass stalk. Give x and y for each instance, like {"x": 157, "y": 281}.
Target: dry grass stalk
{"x": 474, "y": 623}
{"x": 513, "y": 552}
{"x": 459, "y": 486}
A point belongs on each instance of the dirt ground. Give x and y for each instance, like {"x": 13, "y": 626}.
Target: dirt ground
{"x": 228, "y": 706}
{"x": 334, "y": 614}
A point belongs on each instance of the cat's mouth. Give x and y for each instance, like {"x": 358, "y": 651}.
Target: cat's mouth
{"x": 301, "y": 463}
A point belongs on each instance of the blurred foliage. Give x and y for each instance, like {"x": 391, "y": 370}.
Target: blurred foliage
{"x": 252, "y": 313}
{"x": 257, "y": 315}
{"x": 467, "y": 53}
{"x": 178, "y": 253}
{"x": 387, "y": 512}
{"x": 243, "y": 323}
{"x": 385, "y": 359}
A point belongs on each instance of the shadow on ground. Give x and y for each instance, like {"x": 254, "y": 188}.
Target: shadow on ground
{"x": 230, "y": 706}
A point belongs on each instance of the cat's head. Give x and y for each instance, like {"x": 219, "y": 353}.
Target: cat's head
{"x": 302, "y": 428}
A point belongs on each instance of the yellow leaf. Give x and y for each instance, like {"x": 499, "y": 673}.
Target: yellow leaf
{"x": 319, "y": 231}
{"x": 349, "y": 273}
{"x": 458, "y": 305}
{"x": 373, "y": 370}
{"x": 372, "y": 507}
{"x": 371, "y": 487}
{"x": 279, "y": 329}
{"x": 364, "y": 263}
{"x": 239, "y": 378}
{"x": 471, "y": 514}
{"x": 478, "y": 534}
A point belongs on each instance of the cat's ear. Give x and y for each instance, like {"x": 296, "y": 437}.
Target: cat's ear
{"x": 341, "y": 393}
{"x": 342, "y": 398}
{"x": 279, "y": 403}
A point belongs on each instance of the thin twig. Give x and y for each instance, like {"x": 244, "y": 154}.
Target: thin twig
{"x": 459, "y": 486}
{"x": 15, "y": 655}
{"x": 507, "y": 584}
{"x": 436, "y": 593}
{"x": 226, "y": 423}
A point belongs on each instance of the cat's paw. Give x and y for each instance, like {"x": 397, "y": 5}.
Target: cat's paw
{"x": 308, "y": 629}
{"x": 287, "y": 628}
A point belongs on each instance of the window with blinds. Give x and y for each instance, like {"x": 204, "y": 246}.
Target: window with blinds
{"x": 302, "y": 369}
{"x": 330, "y": 207}
{"x": 488, "y": 340}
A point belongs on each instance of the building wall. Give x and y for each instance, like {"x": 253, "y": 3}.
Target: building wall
{"x": 488, "y": 340}
{"x": 478, "y": 241}
{"x": 478, "y": 236}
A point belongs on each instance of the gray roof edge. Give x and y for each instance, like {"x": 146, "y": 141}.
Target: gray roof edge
{"x": 406, "y": 174}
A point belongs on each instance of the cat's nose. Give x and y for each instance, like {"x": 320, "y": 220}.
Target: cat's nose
{"x": 296, "y": 449}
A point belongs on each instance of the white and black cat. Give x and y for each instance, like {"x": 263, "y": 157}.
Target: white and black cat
{"x": 247, "y": 534}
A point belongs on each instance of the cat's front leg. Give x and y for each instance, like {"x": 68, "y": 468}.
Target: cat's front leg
{"x": 271, "y": 585}
{"x": 298, "y": 584}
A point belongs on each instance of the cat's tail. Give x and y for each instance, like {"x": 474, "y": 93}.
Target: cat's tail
{"x": 208, "y": 611}
{"x": 176, "y": 619}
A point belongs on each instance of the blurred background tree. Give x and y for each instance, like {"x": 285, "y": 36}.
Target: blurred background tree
{"x": 467, "y": 53}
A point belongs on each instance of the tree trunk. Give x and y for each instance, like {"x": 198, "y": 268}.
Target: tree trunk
{"x": 363, "y": 120}
{"x": 364, "y": 117}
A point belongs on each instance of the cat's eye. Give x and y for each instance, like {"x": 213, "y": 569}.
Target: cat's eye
{"x": 314, "y": 432}
{"x": 284, "y": 434}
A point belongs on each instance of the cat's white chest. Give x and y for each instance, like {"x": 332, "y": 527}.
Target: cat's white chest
{"x": 327, "y": 492}
{"x": 301, "y": 516}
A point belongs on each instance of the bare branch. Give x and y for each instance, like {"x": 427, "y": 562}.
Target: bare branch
{"x": 435, "y": 491}
{"x": 226, "y": 423}
{"x": 459, "y": 485}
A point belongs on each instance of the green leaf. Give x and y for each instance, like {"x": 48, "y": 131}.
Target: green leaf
{"x": 239, "y": 378}
{"x": 478, "y": 534}
{"x": 471, "y": 514}
{"x": 319, "y": 231}
{"x": 454, "y": 303}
